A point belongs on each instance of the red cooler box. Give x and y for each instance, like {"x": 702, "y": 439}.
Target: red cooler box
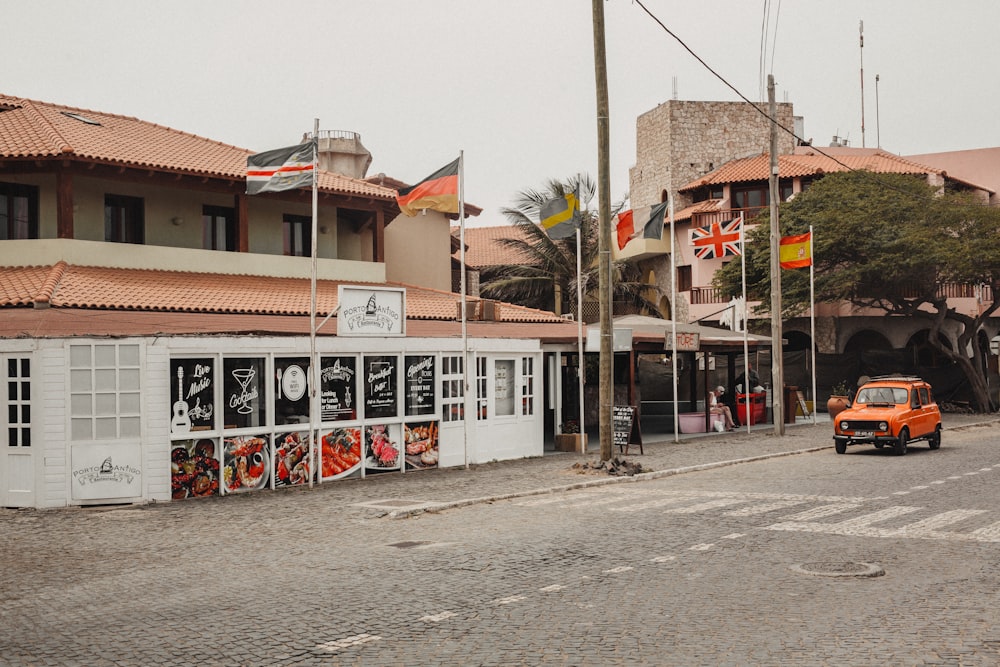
{"x": 758, "y": 408}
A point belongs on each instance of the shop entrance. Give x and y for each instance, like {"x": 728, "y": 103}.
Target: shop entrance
{"x": 17, "y": 465}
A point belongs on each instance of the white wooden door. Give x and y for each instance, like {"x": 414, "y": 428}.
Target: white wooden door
{"x": 17, "y": 461}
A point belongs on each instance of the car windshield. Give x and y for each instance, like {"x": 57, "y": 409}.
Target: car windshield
{"x": 892, "y": 395}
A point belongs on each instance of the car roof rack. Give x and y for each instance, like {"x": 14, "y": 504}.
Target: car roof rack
{"x": 898, "y": 378}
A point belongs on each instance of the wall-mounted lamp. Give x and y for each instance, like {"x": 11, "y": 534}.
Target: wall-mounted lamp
{"x": 176, "y": 222}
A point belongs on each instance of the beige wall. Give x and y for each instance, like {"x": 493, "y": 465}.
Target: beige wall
{"x": 418, "y": 250}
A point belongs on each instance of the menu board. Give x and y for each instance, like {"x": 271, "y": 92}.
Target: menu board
{"x": 419, "y": 383}
{"x": 291, "y": 395}
{"x": 503, "y": 387}
{"x": 338, "y": 391}
{"x": 243, "y": 392}
{"x": 622, "y": 418}
{"x": 192, "y": 395}
{"x": 381, "y": 398}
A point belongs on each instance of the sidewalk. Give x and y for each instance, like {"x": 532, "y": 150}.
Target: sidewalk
{"x": 400, "y": 495}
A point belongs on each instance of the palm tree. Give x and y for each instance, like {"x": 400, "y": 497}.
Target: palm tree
{"x": 546, "y": 277}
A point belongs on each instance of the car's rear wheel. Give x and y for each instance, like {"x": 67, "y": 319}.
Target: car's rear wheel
{"x": 840, "y": 446}
{"x": 934, "y": 440}
{"x": 899, "y": 447}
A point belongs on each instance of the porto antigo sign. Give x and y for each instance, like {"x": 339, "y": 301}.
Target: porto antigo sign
{"x": 371, "y": 311}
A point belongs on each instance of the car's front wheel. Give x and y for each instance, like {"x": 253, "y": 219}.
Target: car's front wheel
{"x": 899, "y": 447}
{"x": 934, "y": 440}
{"x": 840, "y": 446}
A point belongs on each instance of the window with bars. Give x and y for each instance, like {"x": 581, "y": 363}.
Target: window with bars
{"x": 482, "y": 389}
{"x": 452, "y": 390}
{"x": 104, "y": 392}
{"x": 18, "y": 402}
{"x": 527, "y": 385}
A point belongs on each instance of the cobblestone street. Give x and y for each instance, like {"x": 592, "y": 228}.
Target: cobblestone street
{"x": 735, "y": 549}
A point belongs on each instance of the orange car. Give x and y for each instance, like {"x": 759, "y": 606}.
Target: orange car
{"x": 889, "y": 411}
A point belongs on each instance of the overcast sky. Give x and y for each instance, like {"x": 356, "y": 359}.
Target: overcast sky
{"x": 509, "y": 82}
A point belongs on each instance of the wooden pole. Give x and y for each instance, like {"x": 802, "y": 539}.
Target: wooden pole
{"x": 604, "y": 227}
{"x": 777, "y": 362}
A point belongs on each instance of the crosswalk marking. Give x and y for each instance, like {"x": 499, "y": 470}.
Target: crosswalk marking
{"x": 710, "y": 505}
{"x": 823, "y": 511}
{"x": 764, "y": 508}
{"x": 938, "y": 521}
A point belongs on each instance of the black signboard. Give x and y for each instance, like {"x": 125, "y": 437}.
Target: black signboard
{"x": 291, "y": 391}
{"x": 419, "y": 383}
{"x": 338, "y": 391}
{"x": 243, "y": 385}
{"x": 625, "y": 427}
{"x": 192, "y": 395}
{"x": 380, "y": 387}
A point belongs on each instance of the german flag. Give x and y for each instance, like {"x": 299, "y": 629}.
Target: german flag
{"x": 438, "y": 192}
{"x": 795, "y": 252}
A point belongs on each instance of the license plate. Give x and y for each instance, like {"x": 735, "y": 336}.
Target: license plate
{"x": 863, "y": 434}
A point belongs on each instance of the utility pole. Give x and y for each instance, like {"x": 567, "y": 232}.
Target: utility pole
{"x": 604, "y": 229}
{"x": 777, "y": 362}
{"x": 861, "y": 37}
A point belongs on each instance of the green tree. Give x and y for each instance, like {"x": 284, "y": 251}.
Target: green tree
{"x": 889, "y": 242}
{"x": 547, "y": 278}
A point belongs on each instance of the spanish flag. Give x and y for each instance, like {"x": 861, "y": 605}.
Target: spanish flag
{"x": 795, "y": 252}
{"x": 560, "y": 217}
{"x": 438, "y": 192}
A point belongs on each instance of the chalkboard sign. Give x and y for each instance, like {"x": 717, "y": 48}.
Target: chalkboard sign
{"x": 338, "y": 391}
{"x": 380, "y": 387}
{"x": 625, "y": 427}
{"x": 192, "y": 392}
{"x": 419, "y": 383}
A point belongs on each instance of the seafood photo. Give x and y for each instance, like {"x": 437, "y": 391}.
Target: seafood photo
{"x": 194, "y": 469}
{"x": 247, "y": 464}
{"x": 291, "y": 460}
{"x": 340, "y": 452}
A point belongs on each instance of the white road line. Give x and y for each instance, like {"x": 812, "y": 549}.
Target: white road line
{"x": 919, "y": 488}
{"x": 875, "y": 517}
{"x": 654, "y": 504}
{"x": 938, "y": 481}
{"x": 733, "y": 536}
{"x": 618, "y": 570}
{"x": 438, "y": 617}
{"x": 764, "y": 508}
{"x": 702, "y": 547}
{"x": 552, "y": 589}
{"x": 930, "y": 526}
{"x": 971, "y": 473}
{"x": 347, "y": 642}
{"x": 901, "y": 493}
{"x": 955, "y": 477}
{"x": 509, "y": 600}
{"x": 662, "y": 559}
{"x": 709, "y": 505}
{"x": 990, "y": 533}
{"x": 824, "y": 511}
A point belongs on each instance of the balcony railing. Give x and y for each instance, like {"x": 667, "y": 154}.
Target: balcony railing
{"x": 705, "y": 219}
{"x": 703, "y": 295}
{"x": 982, "y": 292}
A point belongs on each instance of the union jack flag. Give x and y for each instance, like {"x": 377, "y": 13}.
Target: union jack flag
{"x": 720, "y": 239}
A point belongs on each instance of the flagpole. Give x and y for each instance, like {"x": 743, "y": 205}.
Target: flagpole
{"x": 579, "y": 342}
{"x": 313, "y": 365}
{"x": 812, "y": 316}
{"x": 747, "y": 406}
{"x": 465, "y": 327}
{"x": 673, "y": 305}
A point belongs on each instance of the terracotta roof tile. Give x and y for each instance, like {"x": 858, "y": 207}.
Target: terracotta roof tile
{"x": 485, "y": 248}
{"x": 98, "y": 288}
{"x": 33, "y": 129}
{"x": 757, "y": 167}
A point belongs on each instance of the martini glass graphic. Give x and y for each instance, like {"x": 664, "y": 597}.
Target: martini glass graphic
{"x": 243, "y": 376}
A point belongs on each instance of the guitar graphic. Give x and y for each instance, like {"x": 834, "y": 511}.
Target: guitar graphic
{"x": 181, "y": 423}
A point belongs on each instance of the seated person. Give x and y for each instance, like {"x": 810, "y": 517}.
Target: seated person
{"x": 718, "y": 408}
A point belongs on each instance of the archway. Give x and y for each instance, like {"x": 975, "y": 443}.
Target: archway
{"x": 869, "y": 353}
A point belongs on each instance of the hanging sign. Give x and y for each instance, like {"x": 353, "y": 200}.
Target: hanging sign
{"x": 371, "y": 311}
{"x": 686, "y": 342}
